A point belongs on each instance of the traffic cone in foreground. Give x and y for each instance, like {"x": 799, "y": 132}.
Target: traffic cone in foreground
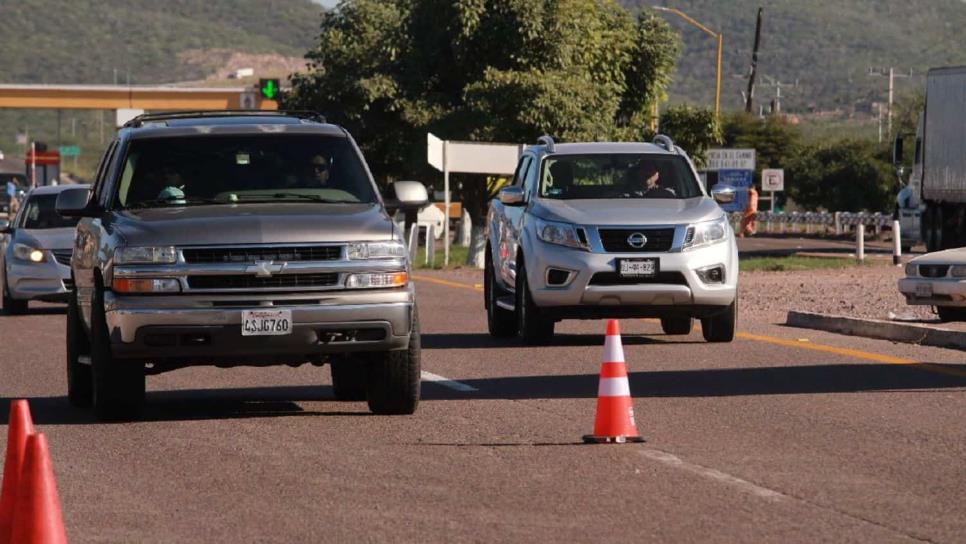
{"x": 37, "y": 518}
{"x": 615, "y": 411}
{"x": 19, "y": 426}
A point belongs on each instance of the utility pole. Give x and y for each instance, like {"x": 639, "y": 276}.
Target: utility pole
{"x": 892, "y": 75}
{"x": 754, "y": 65}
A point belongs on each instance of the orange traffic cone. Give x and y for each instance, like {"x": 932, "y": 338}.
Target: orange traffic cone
{"x": 37, "y": 518}
{"x": 615, "y": 412}
{"x": 19, "y": 427}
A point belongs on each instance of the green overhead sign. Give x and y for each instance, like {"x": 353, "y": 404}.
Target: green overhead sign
{"x": 69, "y": 151}
{"x": 268, "y": 88}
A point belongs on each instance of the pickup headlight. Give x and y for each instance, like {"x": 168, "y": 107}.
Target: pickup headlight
{"x": 562, "y": 234}
{"x": 145, "y": 255}
{"x": 27, "y": 253}
{"x": 377, "y": 250}
{"x": 707, "y": 233}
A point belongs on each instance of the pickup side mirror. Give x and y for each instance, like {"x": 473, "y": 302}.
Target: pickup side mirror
{"x": 723, "y": 194}
{"x": 897, "y": 150}
{"x": 512, "y": 196}
{"x": 408, "y": 196}
{"x": 76, "y": 203}
{"x": 5, "y": 227}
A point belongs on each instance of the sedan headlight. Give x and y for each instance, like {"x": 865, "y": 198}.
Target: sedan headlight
{"x": 145, "y": 255}
{"x": 562, "y": 234}
{"x": 959, "y": 271}
{"x": 377, "y": 250}
{"x": 707, "y": 233}
{"x": 912, "y": 269}
{"x": 27, "y": 253}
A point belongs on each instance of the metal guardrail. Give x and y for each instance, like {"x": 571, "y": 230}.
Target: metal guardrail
{"x": 816, "y": 222}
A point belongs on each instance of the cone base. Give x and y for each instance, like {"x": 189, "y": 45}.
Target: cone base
{"x": 592, "y": 439}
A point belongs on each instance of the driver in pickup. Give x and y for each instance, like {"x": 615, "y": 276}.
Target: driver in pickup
{"x": 643, "y": 180}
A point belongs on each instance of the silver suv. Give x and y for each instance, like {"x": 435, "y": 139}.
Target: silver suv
{"x": 608, "y": 230}
{"x": 230, "y": 238}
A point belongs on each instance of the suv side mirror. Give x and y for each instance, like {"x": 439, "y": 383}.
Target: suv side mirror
{"x": 512, "y": 196}
{"x": 723, "y": 194}
{"x": 897, "y": 150}
{"x": 5, "y": 227}
{"x": 406, "y": 196}
{"x": 75, "y": 203}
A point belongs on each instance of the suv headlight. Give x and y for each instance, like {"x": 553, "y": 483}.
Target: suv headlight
{"x": 145, "y": 255}
{"x": 708, "y": 232}
{"x": 562, "y": 234}
{"x": 376, "y": 250}
{"x": 28, "y": 253}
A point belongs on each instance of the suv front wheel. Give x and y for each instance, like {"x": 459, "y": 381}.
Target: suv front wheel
{"x": 393, "y": 377}
{"x": 118, "y": 384}
{"x": 79, "y": 380}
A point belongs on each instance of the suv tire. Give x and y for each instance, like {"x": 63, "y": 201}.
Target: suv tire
{"x": 501, "y": 323}
{"x": 533, "y": 327}
{"x": 80, "y": 385}
{"x": 348, "y": 378}
{"x": 676, "y": 325}
{"x": 393, "y": 377}
{"x": 118, "y": 385}
{"x": 721, "y": 327}
{"x": 12, "y": 306}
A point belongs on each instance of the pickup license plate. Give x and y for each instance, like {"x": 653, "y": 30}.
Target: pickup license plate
{"x": 924, "y": 290}
{"x": 637, "y": 268}
{"x": 266, "y": 322}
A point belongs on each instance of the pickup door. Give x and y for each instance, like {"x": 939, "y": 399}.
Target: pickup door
{"x": 506, "y": 222}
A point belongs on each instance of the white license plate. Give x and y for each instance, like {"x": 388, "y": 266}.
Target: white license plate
{"x": 924, "y": 290}
{"x": 266, "y": 322}
{"x": 638, "y": 267}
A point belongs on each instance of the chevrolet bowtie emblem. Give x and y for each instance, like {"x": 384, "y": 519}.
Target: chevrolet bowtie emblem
{"x": 264, "y": 269}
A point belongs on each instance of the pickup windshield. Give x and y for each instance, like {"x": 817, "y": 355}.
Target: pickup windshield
{"x": 209, "y": 170}
{"x": 618, "y": 175}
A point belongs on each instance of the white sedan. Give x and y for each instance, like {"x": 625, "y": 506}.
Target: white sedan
{"x": 938, "y": 279}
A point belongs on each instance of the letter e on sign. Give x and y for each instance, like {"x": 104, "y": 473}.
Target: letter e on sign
{"x": 773, "y": 179}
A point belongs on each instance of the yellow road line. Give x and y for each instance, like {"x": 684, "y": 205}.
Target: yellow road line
{"x": 854, "y": 353}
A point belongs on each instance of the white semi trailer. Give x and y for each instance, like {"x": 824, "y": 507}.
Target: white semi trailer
{"x": 932, "y": 205}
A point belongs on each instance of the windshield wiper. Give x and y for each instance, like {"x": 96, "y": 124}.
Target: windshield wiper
{"x": 285, "y": 195}
{"x": 174, "y": 200}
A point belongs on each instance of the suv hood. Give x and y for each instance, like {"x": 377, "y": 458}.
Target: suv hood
{"x": 268, "y": 223}
{"x": 628, "y": 211}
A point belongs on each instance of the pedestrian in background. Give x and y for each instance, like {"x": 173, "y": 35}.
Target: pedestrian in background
{"x": 747, "y": 227}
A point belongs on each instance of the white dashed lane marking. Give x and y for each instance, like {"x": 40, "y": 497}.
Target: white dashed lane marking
{"x": 446, "y": 382}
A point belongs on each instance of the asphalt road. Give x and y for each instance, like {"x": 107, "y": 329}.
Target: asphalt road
{"x": 783, "y": 435}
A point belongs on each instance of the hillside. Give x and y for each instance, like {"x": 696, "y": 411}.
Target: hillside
{"x": 83, "y": 41}
{"x": 825, "y": 45}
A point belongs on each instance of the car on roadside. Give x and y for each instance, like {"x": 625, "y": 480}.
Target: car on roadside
{"x": 36, "y": 251}
{"x": 609, "y": 230}
{"x": 938, "y": 279}
{"x": 239, "y": 238}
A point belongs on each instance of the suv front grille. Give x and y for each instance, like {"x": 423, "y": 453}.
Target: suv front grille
{"x": 615, "y": 240}
{"x": 62, "y": 256}
{"x": 209, "y": 255}
{"x": 933, "y": 270}
{"x": 238, "y": 281}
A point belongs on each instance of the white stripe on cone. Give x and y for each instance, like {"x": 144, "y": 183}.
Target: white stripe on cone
{"x": 613, "y": 350}
{"x": 614, "y": 387}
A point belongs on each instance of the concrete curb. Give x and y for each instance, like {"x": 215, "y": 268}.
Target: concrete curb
{"x": 874, "y": 328}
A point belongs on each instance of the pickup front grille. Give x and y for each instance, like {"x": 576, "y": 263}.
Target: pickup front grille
{"x": 218, "y": 255}
{"x": 62, "y": 256}
{"x": 933, "y": 270}
{"x": 615, "y": 240}
{"x": 280, "y": 281}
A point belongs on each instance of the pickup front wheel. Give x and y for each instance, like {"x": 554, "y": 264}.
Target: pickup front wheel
{"x": 502, "y": 323}
{"x": 533, "y": 327}
{"x": 392, "y": 377}
{"x": 721, "y": 326}
{"x": 118, "y": 385}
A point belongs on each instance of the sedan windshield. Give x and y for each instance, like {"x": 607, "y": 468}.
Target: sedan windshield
{"x": 618, "y": 175}
{"x": 238, "y": 169}
{"x": 39, "y": 213}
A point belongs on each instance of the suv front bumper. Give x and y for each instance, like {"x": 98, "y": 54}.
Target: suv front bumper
{"x": 192, "y": 328}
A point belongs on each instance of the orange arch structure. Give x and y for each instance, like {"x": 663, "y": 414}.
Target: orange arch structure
{"x": 112, "y": 97}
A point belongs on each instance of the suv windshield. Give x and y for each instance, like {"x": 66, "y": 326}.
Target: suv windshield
{"x": 239, "y": 169}
{"x": 39, "y": 213}
{"x": 624, "y": 175}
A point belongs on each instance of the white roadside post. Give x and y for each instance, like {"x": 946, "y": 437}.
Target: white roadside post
{"x": 896, "y": 242}
{"x": 431, "y": 244}
{"x": 446, "y": 208}
{"x": 860, "y": 241}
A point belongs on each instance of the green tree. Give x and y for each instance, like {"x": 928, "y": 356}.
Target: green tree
{"x": 490, "y": 70}
{"x": 850, "y": 175}
{"x": 694, "y": 129}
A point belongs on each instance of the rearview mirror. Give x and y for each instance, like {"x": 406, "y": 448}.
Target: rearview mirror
{"x": 723, "y": 194}
{"x": 75, "y": 203}
{"x": 511, "y": 196}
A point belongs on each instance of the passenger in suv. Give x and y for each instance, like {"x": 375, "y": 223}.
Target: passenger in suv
{"x": 608, "y": 230}
{"x": 206, "y": 239}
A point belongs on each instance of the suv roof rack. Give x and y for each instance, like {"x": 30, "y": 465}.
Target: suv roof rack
{"x": 665, "y": 142}
{"x": 144, "y": 118}
{"x": 546, "y": 141}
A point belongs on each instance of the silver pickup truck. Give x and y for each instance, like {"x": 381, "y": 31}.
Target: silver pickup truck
{"x": 609, "y": 230}
{"x": 238, "y": 238}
